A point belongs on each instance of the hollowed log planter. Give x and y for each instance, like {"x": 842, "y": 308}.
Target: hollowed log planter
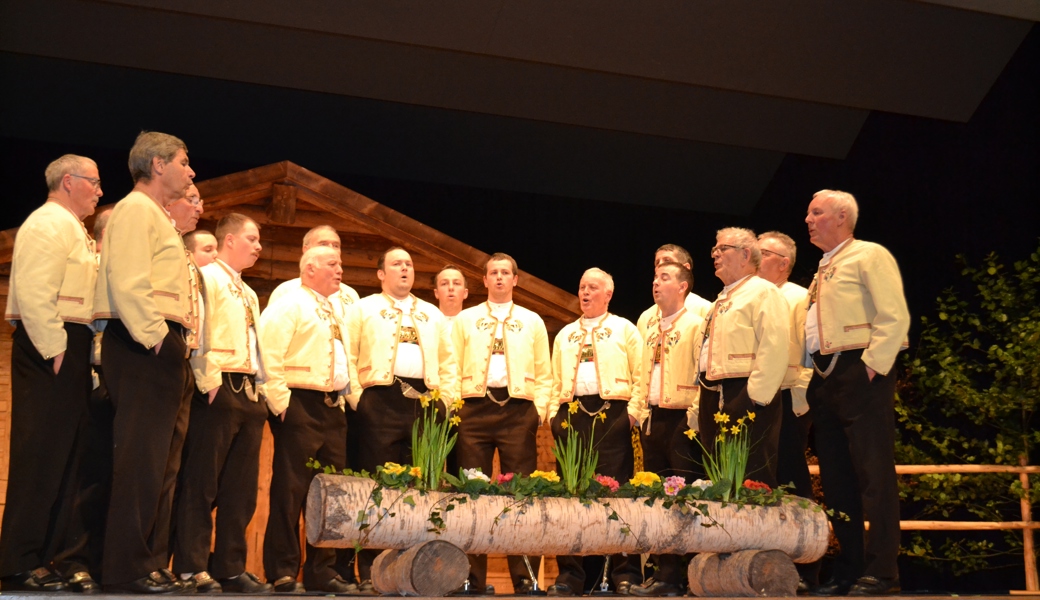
{"x": 555, "y": 526}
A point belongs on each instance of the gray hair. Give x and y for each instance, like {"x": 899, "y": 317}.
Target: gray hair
{"x": 313, "y": 255}
{"x": 148, "y": 145}
{"x": 65, "y": 165}
{"x": 788, "y": 243}
{"x": 309, "y": 236}
{"x": 745, "y": 238}
{"x": 842, "y": 201}
{"x": 606, "y": 276}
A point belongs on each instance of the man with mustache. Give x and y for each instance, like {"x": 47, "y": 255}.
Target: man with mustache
{"x": 146, "y": 305}
{"x": 856, "y": 324}
{"x": 50, "y": 304}
{"x": 306, "y": 353}
{"x": 400, "y": 348}
{"x": 221, "y": 453}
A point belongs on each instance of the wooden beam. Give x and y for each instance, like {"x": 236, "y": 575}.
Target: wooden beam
{"x": 282, "y": 208}
{"x": 229, "y": 189}
{"x": 7, "y": 244}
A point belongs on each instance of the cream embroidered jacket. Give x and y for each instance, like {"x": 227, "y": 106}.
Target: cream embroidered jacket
{"x": 749, "y": 332}
{"x": 143, "y": 279}
{"x": 678, "y": 342}
{"x": 860, "y": 304}
{"x": 374, "y": 326}
{"x": 341, "y": 301}
{"x": 797, "y": 377}
{"x": 225, "y": 343}
{"x": 526, "y": 344}
{"x": 297, "y": 337}
{"x": 617, "y": 350}
{"x": 53, "y": 274}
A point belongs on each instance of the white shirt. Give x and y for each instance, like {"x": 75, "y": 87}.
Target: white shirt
{"x": 653, "y": 397}
{"x": 254, "y": 347}
{"x": 498, "y": 374}
{"x": 409, "y": 359}
{"x": 812, "y": 325}
{"x": 341, "y": 376}
{"x": 586, "y": 383}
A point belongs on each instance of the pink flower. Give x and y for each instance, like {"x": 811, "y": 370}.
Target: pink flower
{"x": 673, "y": 484}
{"x": 504, "y": 478}
{"x": 757, "y": 485}
{"x": 608, "y": 482}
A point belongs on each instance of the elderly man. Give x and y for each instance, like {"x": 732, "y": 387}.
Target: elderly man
{"x": 598, "y": 347}
{"x": 306, "y": 384}
{"x": 743, "y": 354}
{"x": 856, "y": 325}
{"x": 670, "y": 387}
{"x": 450, "y": 290}
{"x": 50, "y": 304}
{"x": 222, "y": 450}
{"x": 400, "y": 348}
{"x": 322, "y": 235}
{"x": 778, "y": 256}
{"x": 145, "y": 303}
{"x": 505, "y": 378}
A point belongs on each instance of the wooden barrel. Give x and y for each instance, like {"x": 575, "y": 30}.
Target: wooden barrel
{"x": 744, "y": 573}
{"x": 433, "y": 568}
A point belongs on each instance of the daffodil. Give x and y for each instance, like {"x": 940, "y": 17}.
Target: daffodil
{"x": 602, "y": 416}
{"x": 734, "y": 430}
{"x": 645, "y": 478}
{"x": 424, "y": 400}
{"x": 740, "y": 421}
{"x": 751, "y": 416}
{"x": 565, "y": 424}
{"x": 691, "y": 433}
{"x": 435, "y": 395}
{"x": 457, "y": 404}
{"x": 572, "y": 407}
{"x": 393, "y": 468}
{"x": 721, "y": 418}
{"x": 455, "y": 420}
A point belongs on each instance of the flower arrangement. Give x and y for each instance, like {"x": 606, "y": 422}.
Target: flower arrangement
{"x": 576, "y": 457}
{"x": 432, "y": 440}
{"x": 727, "y": 465}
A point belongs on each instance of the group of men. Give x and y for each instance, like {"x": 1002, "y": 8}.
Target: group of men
{"x": 189, "y": 369}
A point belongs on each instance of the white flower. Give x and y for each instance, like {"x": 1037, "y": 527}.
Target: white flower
{"x": 701, "y": 483}
{"x": 475, "y": 474}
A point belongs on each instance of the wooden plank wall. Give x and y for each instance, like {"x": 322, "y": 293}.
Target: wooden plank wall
{"x": 5, "y": 397}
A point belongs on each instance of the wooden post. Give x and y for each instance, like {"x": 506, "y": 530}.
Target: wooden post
{"x": 282, "y": 208}
{"x": 1028, "y": 550}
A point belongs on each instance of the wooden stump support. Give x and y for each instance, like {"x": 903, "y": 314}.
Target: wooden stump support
{"x": 746, "y": 573}
{"x": 433, "y": 568}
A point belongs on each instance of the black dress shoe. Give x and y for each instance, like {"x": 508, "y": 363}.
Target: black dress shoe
{"x": 561, "y": 589}
{"x": 154, "y": 583}
{"x": 523, "y": 586}
{"x": 337, "y": 585}
{"x": 833, "y": 587}
{"x": 40, "y": 579}
{"x": 624, "y": 588}
{"x": 288, "y": 585}
{"x": 246, "y": 583}
{"x": 874, "y": 586}
{"x": 202, "y": 584}
{"x": 83, "y": 583}
{"x": 655, "y": 588}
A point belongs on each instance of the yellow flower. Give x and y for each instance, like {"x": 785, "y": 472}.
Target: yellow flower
{"x": 740, "y": 421}
{"x": 455, "y": 420}
{"x": 645, "y": 478}
{"x": 690, "y": 433}
{"x": 424, "y": 400}
{"x": 721, "y": 438}
{"x": 565, "y": 424}
{"x": 435, "y": 395}
{"x": 603, "y": 416}
{"x": 393, "y": 468}
{"x": 721, "y": 418}
{"x": 546, "y": 475}
{"x": 572, "y": 407}
{"x": 734, "y": 430}
{"x": 457, "y": 404}
{"x": 415, "y": 472}
{"x": 751, "y": 416}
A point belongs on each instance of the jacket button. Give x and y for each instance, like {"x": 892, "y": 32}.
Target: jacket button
{"x": 606, "y": 391}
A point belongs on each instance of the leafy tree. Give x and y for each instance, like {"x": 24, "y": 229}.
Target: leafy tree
{"x": 972, "y": 397}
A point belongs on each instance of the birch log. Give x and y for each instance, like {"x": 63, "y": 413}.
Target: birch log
{"x": 745, "y": 573}
{"x": 430, "y": 569}
{"x": 555, "y": 526}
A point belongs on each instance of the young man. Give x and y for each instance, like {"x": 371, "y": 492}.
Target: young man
{"x": 450, "y": 289}
{"x": 505, "y": 378}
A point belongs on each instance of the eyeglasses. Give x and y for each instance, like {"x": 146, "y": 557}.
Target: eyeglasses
{"x": 94, "y": 181}
{"x": 764, "y": 251}
{"x": 194, "y": 200}
{"x": 723, "y": 247}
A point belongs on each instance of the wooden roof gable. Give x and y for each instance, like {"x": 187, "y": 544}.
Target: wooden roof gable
{"x": 287, "y": 200}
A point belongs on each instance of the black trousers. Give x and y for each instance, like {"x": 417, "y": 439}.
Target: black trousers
{"x": 667, "y": 451}
{"x": 513, "y": 430}
{"x": 612, "y": 438}
{"x": 151, "y": 396}
{"x": 46, "y": 410}
{"x": 384, "y": 418}
{"x": 311, "y": 429}
{"x": 220, "y": 468}
{"x": 763, "y": 432}
{"x": 85, "y": 535}
{"x": 854, "y": 421}
{"x": 791, "y": 467}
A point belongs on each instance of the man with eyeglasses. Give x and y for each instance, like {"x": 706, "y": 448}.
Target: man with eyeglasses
{"x": 856, "y": 325}
{"x": 778, "y": 256}
{"x": 743, "y": 353}
{"x": 50, "y": 303}
{"x": 147, "y": 307}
